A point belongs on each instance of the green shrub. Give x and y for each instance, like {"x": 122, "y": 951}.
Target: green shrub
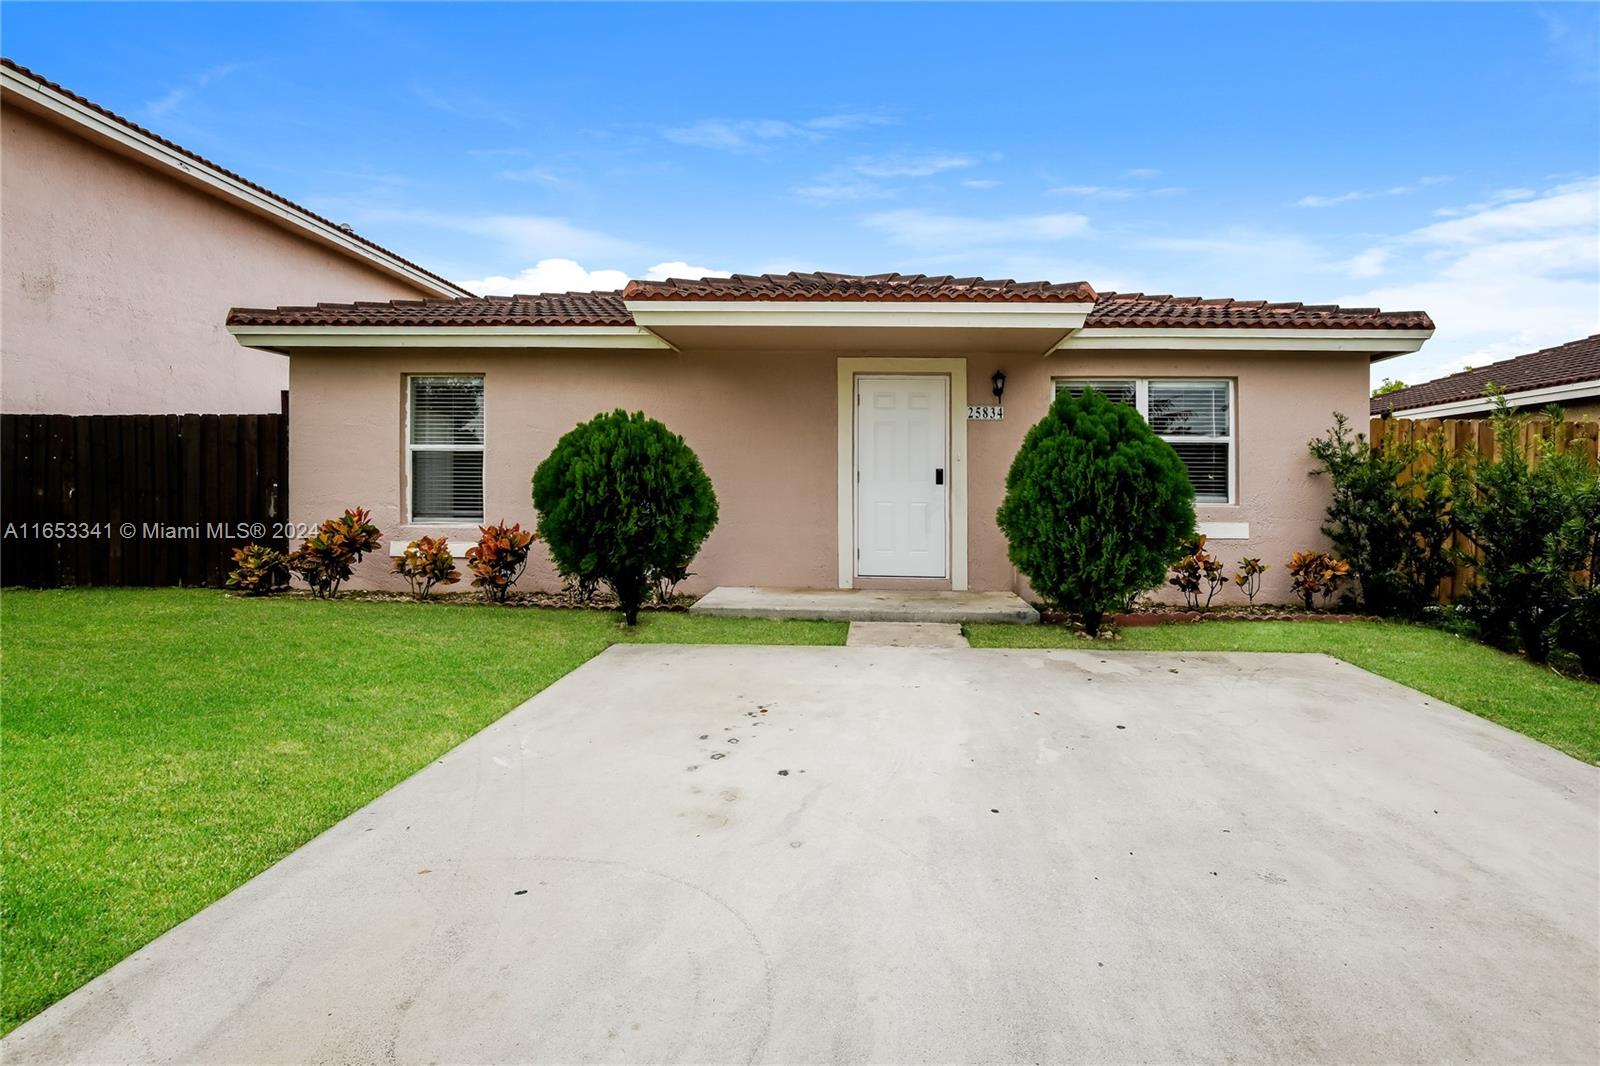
{"x": 427, "y": 562}
{"x": 1579, "y": 631}
{"x": 624, "y": 501}
{"x": 499, "y": 558}
{"x": 261, "y": 571}
{"x": 326, "y": 559}
{"x": 1394, "y": 531}
{"x": 1533, "y": 525}
{"x": 1096, "y": 506}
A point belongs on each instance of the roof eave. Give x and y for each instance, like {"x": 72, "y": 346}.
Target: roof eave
{"x": 281, "y": 338}
{"x": 1376, "y": 343}
{"x": 1482, "y": 404}
{"x": 886, "y": 314}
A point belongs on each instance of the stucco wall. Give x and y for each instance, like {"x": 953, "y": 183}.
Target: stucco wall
{"x": 115, "y": 281}
{"x": 1283, "y": 401}
{"x": 764, "y": 424}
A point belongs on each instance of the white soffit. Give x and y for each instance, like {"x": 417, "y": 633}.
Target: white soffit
{"x": 278, "y": 337}
{"x": 1236, "y": 339}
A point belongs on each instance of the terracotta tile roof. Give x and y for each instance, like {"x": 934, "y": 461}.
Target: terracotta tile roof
{"x": 861, "y": 287}
{"x": 1565, "y": 364}
{"x": 547, "y": 309}
{"x": 24, "y": 72}
{"x": 1127, "y": 309}
{"x": 607, "y": 309}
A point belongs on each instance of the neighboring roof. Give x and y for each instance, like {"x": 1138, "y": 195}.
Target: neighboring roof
{"x": 1111, "y": 310}
{"x": 1566, "y": 364}
{"x": 866, "y": 288}
{"x": 1135, "y": 309}
{"x": 339, "y": 235}
{"x": 548, "y": 309}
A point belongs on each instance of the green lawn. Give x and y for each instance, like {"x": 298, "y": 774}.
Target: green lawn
{"x": 1561, "y": 711}
{"x": 161, "y": 747}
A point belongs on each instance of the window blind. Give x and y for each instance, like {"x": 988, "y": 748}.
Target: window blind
{"x": 1189, "y": 408}
{"x": 1114, "y": 389}
{"x": 445, "y": 442}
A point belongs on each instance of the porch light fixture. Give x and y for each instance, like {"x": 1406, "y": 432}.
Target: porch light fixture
{"x": 999, "y": 380}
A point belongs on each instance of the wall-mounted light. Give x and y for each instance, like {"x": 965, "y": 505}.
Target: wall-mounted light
{"x": 999, "y": 381}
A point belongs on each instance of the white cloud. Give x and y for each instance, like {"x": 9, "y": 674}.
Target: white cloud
{"x": 1499, "y": 196}
{"x": 900, "y": 166}
{"x": 1574, "y": 205}
{"x": 567, "y": 275}
{"x": 1094, "y": 192}
{"x": 679, "y": 269}
{"x": 834, "y": 187}
{"x": 520, "y": 237}
{"x": 1109, "y": 192}
{"x": 862, "y": 178}
{"x": 1500, "y": 281}
{"x": 957, "y": 233}
{"x": 1361, "y": 194}
{"x": 539, "y": 175}
{"x": 753, "y": 134}
{"x": 547, "y": 275}
{"x": 1369, "y": 264}
{"x": 979, "y": 183}
{"x": 176, "y": 96}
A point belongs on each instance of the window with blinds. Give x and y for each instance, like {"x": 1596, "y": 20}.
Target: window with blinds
{"x": 1195, "y": 417}
{"x": 444, "y": 446}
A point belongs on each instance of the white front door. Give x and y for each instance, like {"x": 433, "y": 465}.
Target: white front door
{"x": 902, "y": 475}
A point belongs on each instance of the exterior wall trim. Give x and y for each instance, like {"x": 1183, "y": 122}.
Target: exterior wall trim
{"x": 956, "y": 369}
{"x": 43, "y": 98}
{"x": 280, "y": 337}
{"x": 1380, "y": 342}
{"x": 1478, "y": 405}
{"x": 1224, "y": 530}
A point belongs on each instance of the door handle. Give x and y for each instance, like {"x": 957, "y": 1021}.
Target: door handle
{"x": 938, "y": 476}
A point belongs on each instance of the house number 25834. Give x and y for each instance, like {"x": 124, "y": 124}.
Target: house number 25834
{"x": 985, "y": 412}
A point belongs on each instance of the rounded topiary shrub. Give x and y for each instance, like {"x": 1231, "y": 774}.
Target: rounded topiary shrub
{"x": 1097, "y": 507}
{"x": 623, "y": 501}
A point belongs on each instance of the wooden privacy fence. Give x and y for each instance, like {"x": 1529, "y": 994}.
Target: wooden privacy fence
{"x": 138, "y": 499}
{"x": 1471, "y": 439}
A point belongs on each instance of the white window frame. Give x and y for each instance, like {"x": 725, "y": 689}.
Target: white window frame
{"x": 1141, "y": 389}
{"x": 410, "y": 402}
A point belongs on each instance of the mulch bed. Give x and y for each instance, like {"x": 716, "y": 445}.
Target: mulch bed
{"x": 1160, "y": 614}
{"x": 600, "y": 601}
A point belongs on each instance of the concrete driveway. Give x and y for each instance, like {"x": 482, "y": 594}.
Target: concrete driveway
{"x": 724, "y": 854}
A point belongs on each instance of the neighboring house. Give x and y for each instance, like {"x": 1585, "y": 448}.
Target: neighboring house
{"x": 123, "y": 252}
{"x": 831, "y": 411}
{"x": 1567, "y": 375}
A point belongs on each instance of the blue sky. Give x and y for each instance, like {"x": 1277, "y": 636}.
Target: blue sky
{"x": 1433, "y": 156}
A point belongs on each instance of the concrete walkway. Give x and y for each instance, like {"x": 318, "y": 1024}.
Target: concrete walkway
{"x": 726, "y": 854}
{"x": 865, "y": 605}
{"x": 905, "y": 635}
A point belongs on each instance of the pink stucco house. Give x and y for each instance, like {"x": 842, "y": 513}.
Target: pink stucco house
{"x": 854, "y": 426}
{"x": 123, "y": 252}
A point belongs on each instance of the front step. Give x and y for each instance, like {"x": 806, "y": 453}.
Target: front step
{"x": 865, "y": 605}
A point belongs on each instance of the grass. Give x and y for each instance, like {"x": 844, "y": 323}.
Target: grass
{"x": 1560, "y": 711}
{"x": 161, "y": 747}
